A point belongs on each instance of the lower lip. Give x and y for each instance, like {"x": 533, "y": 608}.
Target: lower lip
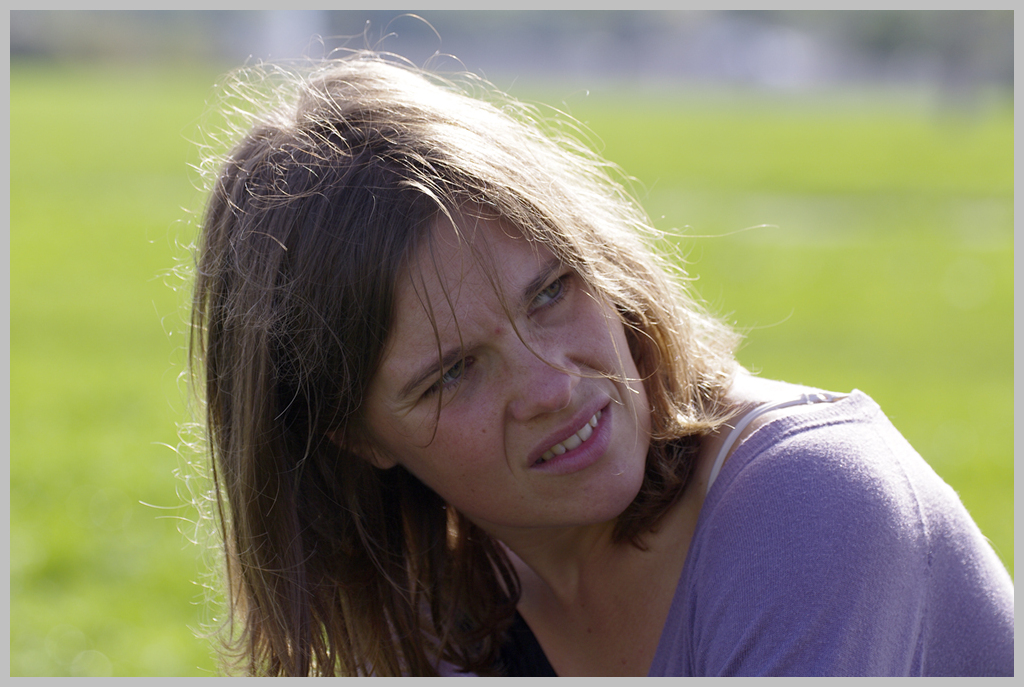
{"x": 584, "y": 455}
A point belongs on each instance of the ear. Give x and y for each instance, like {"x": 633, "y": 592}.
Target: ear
{"x": 361, "y": 447}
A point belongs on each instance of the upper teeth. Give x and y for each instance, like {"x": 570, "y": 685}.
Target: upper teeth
{"x": 572, "y": 442}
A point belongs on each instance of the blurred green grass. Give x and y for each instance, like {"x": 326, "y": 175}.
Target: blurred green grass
{"x": 888, "y": 267}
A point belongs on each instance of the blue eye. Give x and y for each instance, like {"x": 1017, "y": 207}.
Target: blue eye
{"x": 551, "y": 293}
{"x": 453, "y": 373}
{"x": 450, "y": 378}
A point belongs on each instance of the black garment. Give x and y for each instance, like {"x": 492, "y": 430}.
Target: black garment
{"x": 522, "y": 655}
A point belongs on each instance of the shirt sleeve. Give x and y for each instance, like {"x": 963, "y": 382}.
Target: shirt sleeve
{"x": 816, "y": 556}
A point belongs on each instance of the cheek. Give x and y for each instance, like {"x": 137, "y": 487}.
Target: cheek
{"x": 643, "y": 409}
{"x": 462, "y": 446}
{"x": 467, "y": 439}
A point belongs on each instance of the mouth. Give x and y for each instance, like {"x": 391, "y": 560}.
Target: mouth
{"x": 575, "y": 441}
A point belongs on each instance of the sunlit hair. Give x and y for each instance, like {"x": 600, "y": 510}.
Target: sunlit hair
{"x": 335, "y": 566}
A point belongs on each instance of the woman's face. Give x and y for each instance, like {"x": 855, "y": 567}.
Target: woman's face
{"x": 543, "y": 421}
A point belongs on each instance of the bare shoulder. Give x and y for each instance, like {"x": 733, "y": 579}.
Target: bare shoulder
{"x": 746, "y": 394}
{"x": 749, "y": 390}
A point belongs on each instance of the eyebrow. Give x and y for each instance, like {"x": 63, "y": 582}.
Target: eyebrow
{"x": 454, "y": 353}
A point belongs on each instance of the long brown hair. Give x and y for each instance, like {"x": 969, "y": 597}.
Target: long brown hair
{"x": 335, "y": 566}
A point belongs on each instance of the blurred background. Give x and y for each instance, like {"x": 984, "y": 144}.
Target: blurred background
{"x": 840, "y": 186}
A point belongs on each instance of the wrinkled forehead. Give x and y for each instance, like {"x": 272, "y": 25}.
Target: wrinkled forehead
{"x": 456, "y": 289}
{"x": 460, "y": 283}
{"x": 466, "y": 261}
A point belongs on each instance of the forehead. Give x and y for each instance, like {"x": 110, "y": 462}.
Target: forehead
{"x": 458, "y": 286}
{"x": 475, "y": 263}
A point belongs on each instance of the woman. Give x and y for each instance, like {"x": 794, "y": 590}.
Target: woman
{"x": 463, "y": 420}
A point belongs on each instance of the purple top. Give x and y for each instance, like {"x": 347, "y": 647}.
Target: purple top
{"x": 827, "y": 546}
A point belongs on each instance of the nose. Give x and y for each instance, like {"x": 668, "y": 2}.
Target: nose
{"x": 540, "y": 383}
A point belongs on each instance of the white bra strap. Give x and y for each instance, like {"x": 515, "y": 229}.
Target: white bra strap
{"x": 750, "y": 416}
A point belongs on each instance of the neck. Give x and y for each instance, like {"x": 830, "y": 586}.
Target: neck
{"x": 567, "y": 567}
{"x": 597, "y": 607}
{"x": 564, "y": 563}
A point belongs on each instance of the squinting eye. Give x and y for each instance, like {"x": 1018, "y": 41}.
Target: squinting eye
{"x": 449, "y": 379}
{"x": 550, "y": 293}
{"x": 453, "y": 373}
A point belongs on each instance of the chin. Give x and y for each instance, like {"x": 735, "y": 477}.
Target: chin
{"x": 614, "y": 501}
